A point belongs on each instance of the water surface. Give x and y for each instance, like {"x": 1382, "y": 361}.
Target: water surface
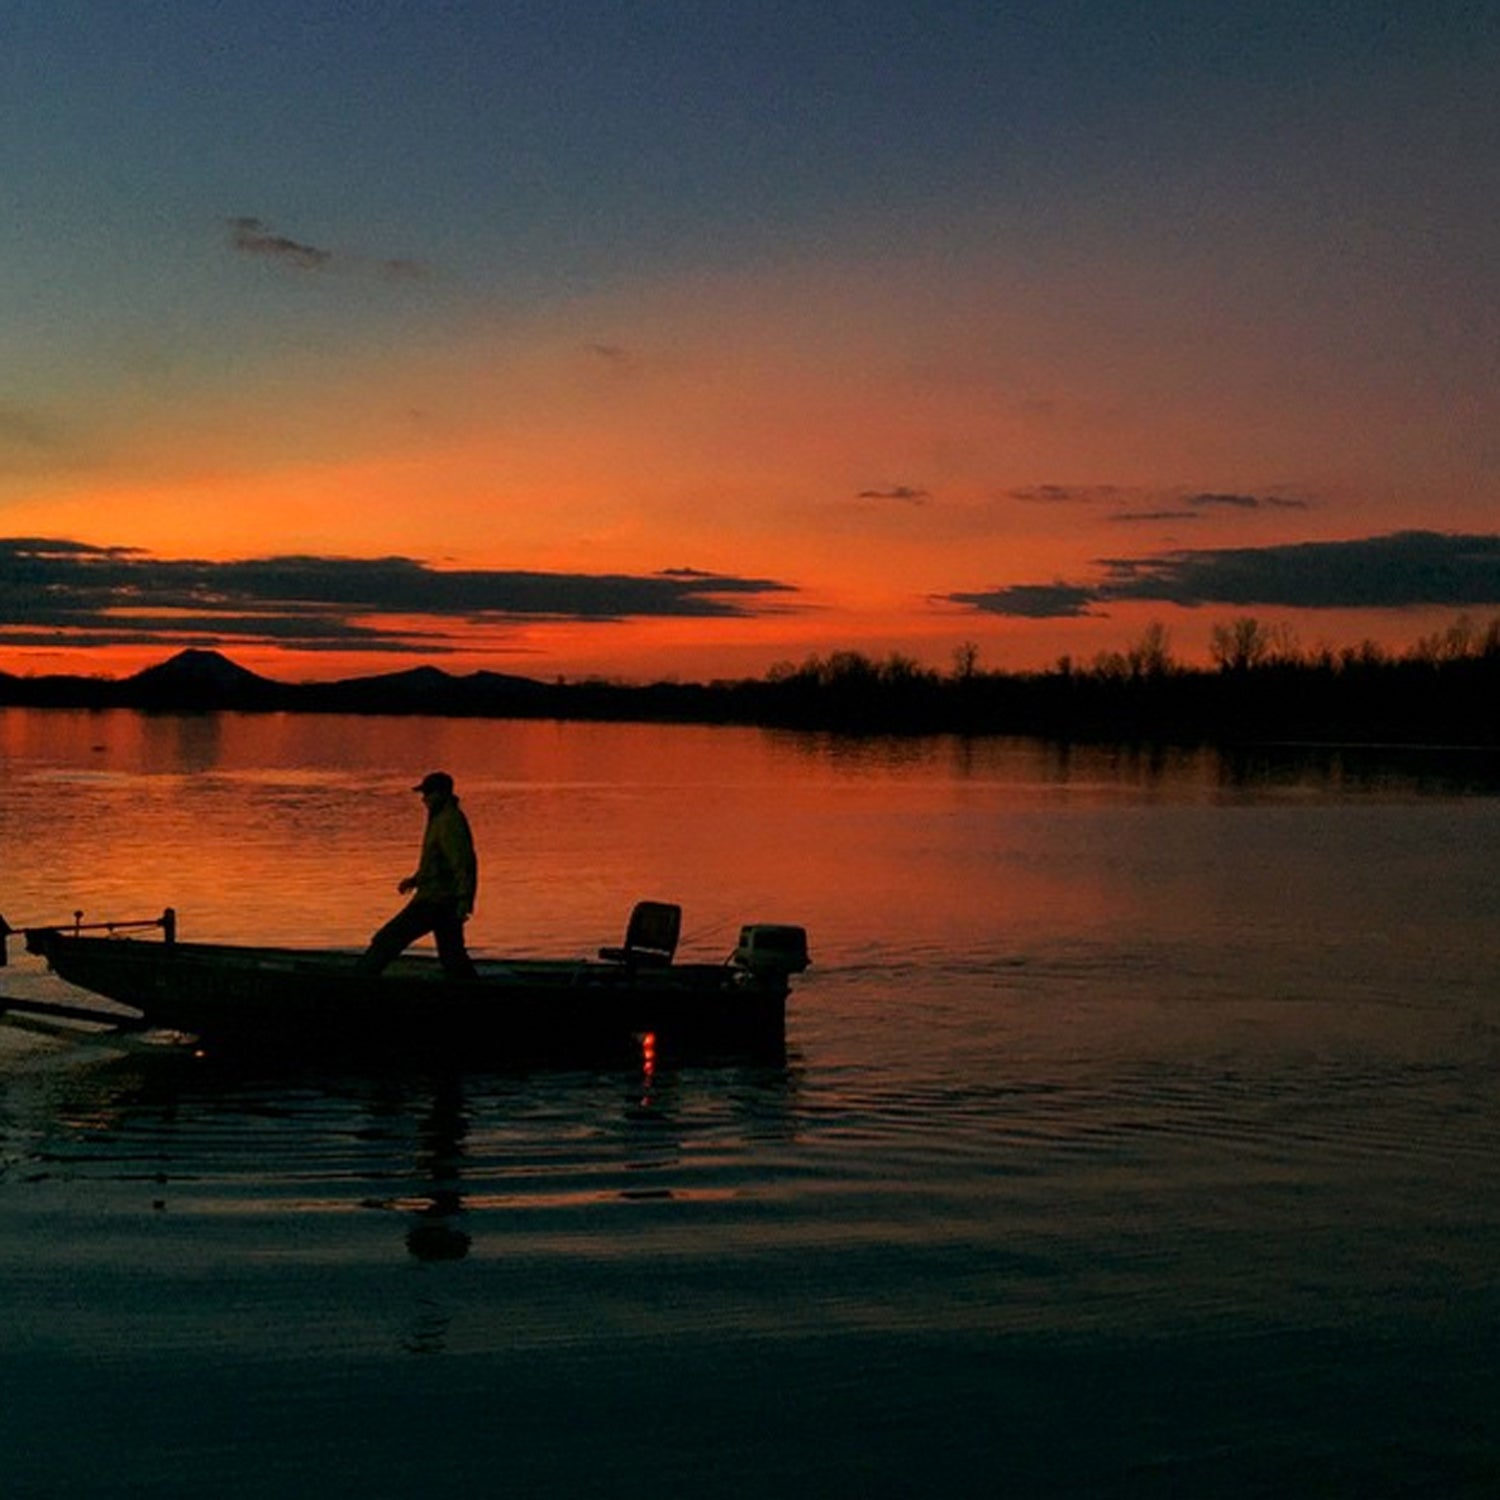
{"x": 1138, "y": 1135}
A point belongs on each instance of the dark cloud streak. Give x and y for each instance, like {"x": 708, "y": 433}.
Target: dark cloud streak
{"x": 1403, "y": 569}
{"x": 1170, "y": 505}
{"x": 906, "y": 492}
{"x": 1030, "y": 601}
{"x": 1245, "y": 502}
{"x": 1067, "y": 494}
{"x": 313, "y": 603}
{"x": 254, "y": 237}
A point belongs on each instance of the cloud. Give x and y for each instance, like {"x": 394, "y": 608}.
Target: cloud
{"x": 66, "y": 589}
{"x": 1245, "y": 502}
{"x": 1068, "y": 494}
{"x": 1199, "y": 505}
{"x": 1169, "y": 505}
{"x": 906, "y": 492}
{"x": 1400, "y": 570}
{"x": 1030, "y": 601}
{"x": 251, "y": 236}
{"x": 617, "y": 356}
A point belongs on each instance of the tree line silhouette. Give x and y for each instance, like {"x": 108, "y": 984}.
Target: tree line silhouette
{"x": 1260, "y": 686}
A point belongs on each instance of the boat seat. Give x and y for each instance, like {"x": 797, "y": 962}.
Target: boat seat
{"x": 650, "y": 936}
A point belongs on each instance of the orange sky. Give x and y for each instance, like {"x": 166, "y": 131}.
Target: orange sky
{"x": 1186, "y": 345}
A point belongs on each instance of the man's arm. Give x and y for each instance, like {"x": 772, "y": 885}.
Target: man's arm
{"x": 458, "y": 848}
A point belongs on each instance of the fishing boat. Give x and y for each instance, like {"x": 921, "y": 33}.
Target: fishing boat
{"x": 293, "y": 1000}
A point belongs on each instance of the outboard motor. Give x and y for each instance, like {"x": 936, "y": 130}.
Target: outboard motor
{"x": 772, "y": 950}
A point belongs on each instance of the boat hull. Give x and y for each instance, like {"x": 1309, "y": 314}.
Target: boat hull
{"x": 299, "y": 1000}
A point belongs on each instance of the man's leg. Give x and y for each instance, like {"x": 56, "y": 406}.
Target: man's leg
{"x": 411, "y": 922}
{"x": 448, "y": 929}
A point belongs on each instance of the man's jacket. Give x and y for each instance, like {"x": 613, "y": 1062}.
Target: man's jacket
{"x": 449, "y": 869}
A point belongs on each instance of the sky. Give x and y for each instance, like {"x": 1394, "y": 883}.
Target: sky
{"x": 678, "y": 339}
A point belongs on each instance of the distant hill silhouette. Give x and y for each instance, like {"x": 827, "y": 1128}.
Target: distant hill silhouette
{"x": 427, "y": 690}
{"x": 199, "y": 679}
{"x": 1434, "y": 697}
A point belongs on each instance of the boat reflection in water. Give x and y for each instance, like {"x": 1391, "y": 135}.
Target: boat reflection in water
{"x": 521, "y": 1165}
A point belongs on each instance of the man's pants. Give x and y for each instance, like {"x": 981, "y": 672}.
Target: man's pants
{"x": 416, "y": 919}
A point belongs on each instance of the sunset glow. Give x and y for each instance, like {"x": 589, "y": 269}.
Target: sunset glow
{"x": 692, "y": 344}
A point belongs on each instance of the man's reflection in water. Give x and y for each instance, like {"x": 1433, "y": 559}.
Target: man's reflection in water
{"x": 433, "y": 1235}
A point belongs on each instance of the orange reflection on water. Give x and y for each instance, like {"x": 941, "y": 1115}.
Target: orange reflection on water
{"x": 283, "y": 828}
{"x": 648, "y": 1067}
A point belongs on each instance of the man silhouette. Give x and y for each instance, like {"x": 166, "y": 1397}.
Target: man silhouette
{"x": 443, "y": 887}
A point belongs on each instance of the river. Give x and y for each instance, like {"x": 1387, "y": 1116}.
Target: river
{"x": 1139, "y": 1132}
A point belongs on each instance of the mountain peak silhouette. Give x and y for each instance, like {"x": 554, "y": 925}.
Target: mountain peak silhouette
{"x": 196, "y": 669}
